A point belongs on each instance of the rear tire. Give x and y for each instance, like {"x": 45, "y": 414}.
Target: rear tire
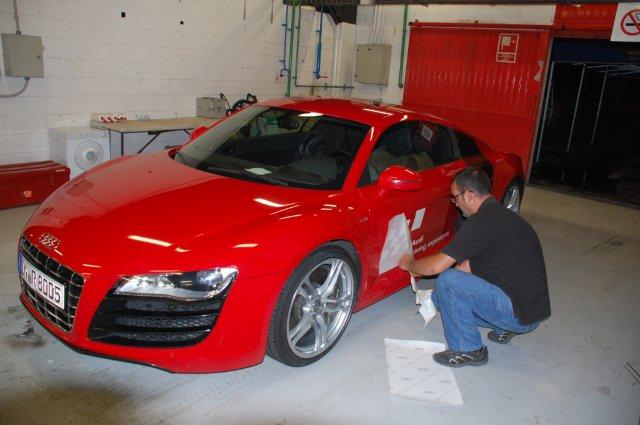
{"x": 314, "y": 308}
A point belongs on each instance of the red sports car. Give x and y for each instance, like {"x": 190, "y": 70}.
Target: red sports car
{"x": 263, "y": 234}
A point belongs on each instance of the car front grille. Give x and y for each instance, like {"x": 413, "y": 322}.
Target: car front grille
{"x": 73, "y": 282}
{"x": 154, "y": 322}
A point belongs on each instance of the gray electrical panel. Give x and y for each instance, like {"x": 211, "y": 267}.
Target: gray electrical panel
{"x": 22, "y": 55}
{"x": 372, "y": 63}
{"x": 210, "y": 107}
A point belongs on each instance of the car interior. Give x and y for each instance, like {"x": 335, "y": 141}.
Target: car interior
{"x": 414, "y": 145}
{"x": 297, "y": 145}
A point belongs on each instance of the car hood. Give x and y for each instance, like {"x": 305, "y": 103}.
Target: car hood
{"x": 137, "y": 212}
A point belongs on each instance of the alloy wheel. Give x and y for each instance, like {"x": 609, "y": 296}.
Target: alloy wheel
{"x": 320, "y": 308}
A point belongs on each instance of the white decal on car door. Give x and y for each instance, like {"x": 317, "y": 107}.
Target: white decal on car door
{"x": 417, "y": 220}
{"x": 396, "y": 243}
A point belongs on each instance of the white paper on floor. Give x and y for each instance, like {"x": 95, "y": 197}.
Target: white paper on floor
{"x": 414, "y": 374}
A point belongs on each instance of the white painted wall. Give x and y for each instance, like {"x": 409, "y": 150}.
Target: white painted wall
{"x": 146, "y": 63}
{"x": 390, "y": 19}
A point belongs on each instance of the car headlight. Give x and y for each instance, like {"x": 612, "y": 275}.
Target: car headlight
{"x": 187, "y": 286}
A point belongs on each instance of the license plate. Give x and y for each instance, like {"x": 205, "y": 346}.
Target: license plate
{"x": 48, "y": 288}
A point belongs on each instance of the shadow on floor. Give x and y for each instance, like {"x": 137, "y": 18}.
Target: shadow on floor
{"x": 68, "y": 404}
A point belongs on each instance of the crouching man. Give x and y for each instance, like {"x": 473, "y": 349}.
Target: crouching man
{"x": 500, "y": 281}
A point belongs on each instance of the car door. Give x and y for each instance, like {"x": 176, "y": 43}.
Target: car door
{"x": 426, "y": 210}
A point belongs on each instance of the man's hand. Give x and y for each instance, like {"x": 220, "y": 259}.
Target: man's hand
{"x": 465, "y": 266}
{"x": 427, "y": 266}
{"x": 405, "y": 262}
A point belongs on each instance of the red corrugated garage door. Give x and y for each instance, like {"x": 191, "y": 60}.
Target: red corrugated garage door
{"x": 476, "y": 78}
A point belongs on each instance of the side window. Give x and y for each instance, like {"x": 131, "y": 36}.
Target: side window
{"x": 441, "y": 146}
{"x": 466, "y": 145}
{"x": 404, "y": 144}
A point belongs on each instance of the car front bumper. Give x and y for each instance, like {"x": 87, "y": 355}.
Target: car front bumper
{"x": 237, "y": 336}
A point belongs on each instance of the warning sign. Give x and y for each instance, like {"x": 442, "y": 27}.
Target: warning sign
{"x": 507, "y": 48}
{"x": 626, "y": 26}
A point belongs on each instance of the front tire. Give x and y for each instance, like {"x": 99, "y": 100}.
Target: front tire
{"x": 314, "y": 308}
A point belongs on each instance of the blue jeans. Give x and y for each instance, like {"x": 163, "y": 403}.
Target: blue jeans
{"x": 467, "y": 301}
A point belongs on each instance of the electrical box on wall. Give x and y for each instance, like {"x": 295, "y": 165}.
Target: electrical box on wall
{"x": 372, "y": 63}
{"x": 210, "y": 107}
{"x": 22, "y": 55}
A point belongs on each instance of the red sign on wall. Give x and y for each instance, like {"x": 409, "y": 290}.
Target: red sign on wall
{"x": 630, "y": 23}
{"x": 507, "y": 48}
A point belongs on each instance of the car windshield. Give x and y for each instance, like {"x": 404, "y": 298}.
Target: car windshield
{"x": 278, "y": 146}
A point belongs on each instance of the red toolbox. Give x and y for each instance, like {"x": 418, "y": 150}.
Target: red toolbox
{"x": 30, "y": 183}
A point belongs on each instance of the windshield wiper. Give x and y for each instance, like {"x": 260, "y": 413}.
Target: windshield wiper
{"x": 184, "y": 158}
{"x": 240, "y": 170}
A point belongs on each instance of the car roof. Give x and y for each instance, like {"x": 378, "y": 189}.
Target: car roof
{"x": 360, "y": 110}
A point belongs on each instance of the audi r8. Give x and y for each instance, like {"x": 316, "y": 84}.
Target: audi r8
{"x": 260, "y": 235}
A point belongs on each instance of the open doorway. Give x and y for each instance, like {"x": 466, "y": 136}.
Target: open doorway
{"x": 589, "y": 137}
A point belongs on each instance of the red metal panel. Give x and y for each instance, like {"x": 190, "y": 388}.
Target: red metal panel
{"x": 30, "y": 183}
{"x": 452, "y": 72}
{"x": 596, "y": 16}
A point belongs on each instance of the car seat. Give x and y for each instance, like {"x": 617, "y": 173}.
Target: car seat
{"x": 391, "y": 151}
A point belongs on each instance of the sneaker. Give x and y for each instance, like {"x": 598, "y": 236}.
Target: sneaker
{"x": 502, "y": 338}
{"x": 462, "y": 358}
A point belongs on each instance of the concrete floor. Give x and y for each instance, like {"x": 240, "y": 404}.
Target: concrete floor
{"x": 570, "y": 371}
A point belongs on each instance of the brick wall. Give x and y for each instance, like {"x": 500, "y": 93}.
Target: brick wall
{"x": 147, "y": 63}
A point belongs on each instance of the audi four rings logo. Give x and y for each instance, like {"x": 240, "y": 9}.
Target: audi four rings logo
{"x": 49, "y": 241}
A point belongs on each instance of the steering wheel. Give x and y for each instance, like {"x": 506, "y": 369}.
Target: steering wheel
{"x": 310, "y": 147}
{"x": 341, "y": 156}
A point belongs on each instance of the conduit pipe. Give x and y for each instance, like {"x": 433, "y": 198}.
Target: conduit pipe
{"x": 293, "y": 33}
{"x": 293, "y": 63}
{"x": 336, "y": 57}
{"x": 284, "y": 46}
{"x": 319, "y": 46}
{"x": 404, "y": 38}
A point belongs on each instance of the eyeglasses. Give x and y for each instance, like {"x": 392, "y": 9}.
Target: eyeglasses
{"x": 454, "y": 198}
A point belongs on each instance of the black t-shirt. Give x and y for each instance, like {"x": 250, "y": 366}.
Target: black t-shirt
{"x": 503, "y": 249}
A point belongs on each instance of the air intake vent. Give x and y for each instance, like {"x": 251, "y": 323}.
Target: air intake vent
{"x": 154, "y": 322}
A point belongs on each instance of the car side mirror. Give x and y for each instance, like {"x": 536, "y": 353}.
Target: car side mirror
{"x": 396, "y": 177}
{"x": 196, "y": 132}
